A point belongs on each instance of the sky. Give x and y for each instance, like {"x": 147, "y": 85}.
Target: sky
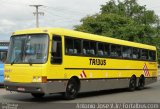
{"x": 18, "y": 14}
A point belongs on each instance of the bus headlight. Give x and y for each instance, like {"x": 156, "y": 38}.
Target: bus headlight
{"x": 39, "y": 79}
{"x": 6, "y": 77}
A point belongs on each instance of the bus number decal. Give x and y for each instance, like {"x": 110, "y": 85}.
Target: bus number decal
{"x": 97, "y": 61}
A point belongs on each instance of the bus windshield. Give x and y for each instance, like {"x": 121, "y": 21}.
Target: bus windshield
{"x": 28, "y": 49}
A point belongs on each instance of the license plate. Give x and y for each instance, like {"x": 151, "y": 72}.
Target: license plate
{"x": 21, "y": 89}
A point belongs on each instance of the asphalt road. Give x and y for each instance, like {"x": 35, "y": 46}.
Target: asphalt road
{"x": 151, "y": 94}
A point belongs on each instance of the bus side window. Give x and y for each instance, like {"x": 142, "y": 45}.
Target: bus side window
{"x": 107, "y": 49}
{"x": 69, "y": 49}
{"x": 77, "y": 46}
{"x": 93, "y": 47}
{"x": 86, "y": 48}
{"x": 152, "y": 55}
{"x": 116, "y": 51}
{"x": 127, "y": 52}
{"x": 100, "y": 51}
{"x": 56, "y": 54}
{"x": 144, "y": 54}
{"x": 136, "y": 53}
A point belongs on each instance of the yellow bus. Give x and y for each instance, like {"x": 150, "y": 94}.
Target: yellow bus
{"x": 51, "y": 60}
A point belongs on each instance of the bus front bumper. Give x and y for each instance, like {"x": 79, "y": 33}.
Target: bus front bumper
{"x": 35, "y": 87}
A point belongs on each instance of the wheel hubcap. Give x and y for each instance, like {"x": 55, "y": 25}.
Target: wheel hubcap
{"x": 71, "y": 89}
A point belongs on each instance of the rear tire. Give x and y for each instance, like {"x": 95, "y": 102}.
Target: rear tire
{"x": 71, "y": 89}
{"x": 132, "y": 83}
{"x": 141, "y": 82}
{"x": 37, "y": 95}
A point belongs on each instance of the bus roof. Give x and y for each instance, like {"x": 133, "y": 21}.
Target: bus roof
{"x": 72, "y": 33}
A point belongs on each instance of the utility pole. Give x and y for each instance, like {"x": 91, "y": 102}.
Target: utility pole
{"x": 37, "y": 13}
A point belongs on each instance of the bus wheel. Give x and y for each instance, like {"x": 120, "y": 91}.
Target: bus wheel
{"x": 132, "y": 83}
{"x": 141, "y": 82}
{"x": 71, "y": 89}
{"x": 37, "y": 95}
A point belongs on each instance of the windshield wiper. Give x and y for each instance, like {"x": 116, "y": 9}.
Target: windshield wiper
{"x": 13, "y": 61}
{"x": 30, "y": 61}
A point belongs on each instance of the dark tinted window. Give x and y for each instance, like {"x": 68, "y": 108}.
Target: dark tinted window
{"x": 106, "y": 49}
{"x": 136, "y": 53}
{"x": 115, "y": 51}
{"x": 72, "y": 45}
{"x": 69, "y": 45}
{"x": 86, "y": 47}
{"x": 56, "y": 54}
{"x": 89, "y": 47}
{"x": 103, "y": 49}
{"x": 152, "y": 55}
{"x": 127, "y": 52}
{"x": 144, "y": 54}
{"x": 77, "y": 46}
{"x": 93, "y": 48}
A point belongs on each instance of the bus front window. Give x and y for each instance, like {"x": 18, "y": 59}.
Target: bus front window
{"x": 28, "y": 49}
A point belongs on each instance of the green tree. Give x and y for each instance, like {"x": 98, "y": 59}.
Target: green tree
{"x": 124, "y": 20}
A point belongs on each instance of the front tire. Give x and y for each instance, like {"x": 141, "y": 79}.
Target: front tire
{"x": 71, "y": 89}
{"x": 37, "y": 95}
